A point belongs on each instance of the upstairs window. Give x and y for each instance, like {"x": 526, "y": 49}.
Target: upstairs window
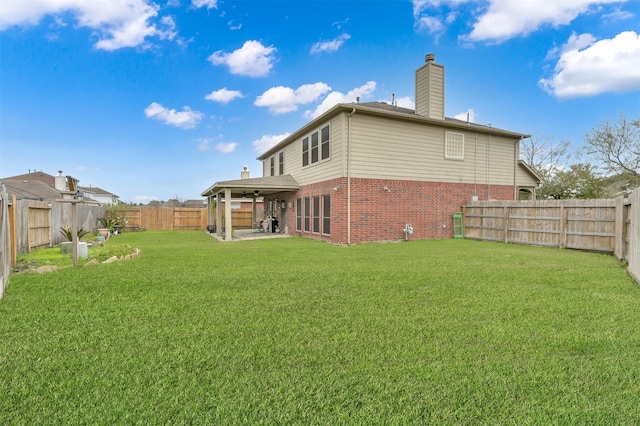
{"x": 314, "y": 147}
{"x": 324, "y": 142}
{"x": 454, "y": 146}
{"x": 281, "y": 163}
{"x": 305, "y": 152}
{"x": 273, "y": 166}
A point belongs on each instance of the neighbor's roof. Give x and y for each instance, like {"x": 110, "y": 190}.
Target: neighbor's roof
{"x": 31, "y": 190}
{"x": 383, "y": 109}
{"x": 97, "y": 191}
{"x": 265, "y": 185}
{"x": 34, "y": 177}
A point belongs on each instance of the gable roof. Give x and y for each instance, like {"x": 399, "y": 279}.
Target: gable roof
{"x": 530, "y": 170}
{"x": 266, "y": 185}
{"x": 382, "y": 109}
{"x": 97, "y": 191}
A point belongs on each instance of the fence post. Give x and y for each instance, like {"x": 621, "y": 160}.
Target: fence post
{"x": 619, "y": 228}
{"x": 562, "y": 243}
{"x": 505, "y": 222}
{"x": 13, "y": 230}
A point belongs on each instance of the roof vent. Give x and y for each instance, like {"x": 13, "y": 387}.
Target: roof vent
{"x": 430, "y": 57}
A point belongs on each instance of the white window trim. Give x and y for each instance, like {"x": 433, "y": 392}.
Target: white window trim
{"x": 447, "y": 142}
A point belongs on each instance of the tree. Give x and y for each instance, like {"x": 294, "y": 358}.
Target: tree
{"x": 580, "y": 181}
{"x": 544, "y": 156}
{"x": 617, "y": 147}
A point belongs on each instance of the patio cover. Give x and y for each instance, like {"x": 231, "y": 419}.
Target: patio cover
{"x": 246, "y": 188}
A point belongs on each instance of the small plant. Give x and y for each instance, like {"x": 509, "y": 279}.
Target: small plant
{"x": 110, "y": 223}
{"x": 111, "y": 220}
{"x": 68, "y": 233}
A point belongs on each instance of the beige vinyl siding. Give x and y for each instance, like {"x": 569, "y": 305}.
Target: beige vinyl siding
{"x": 322, "y": 170}
{"x": 524, "y": 178}
{"x": 390, "y": 149}
{"x": 430, "y": 91}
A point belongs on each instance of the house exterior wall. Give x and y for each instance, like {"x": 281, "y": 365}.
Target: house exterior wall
{"x": 407, "y": 150}
{"x": 378, "y": 214}
{"x": 525, "y": 179}
{"x": 425, "y": 189}
{"x": 317, "y": 172}
{"x": 394, "y": 149}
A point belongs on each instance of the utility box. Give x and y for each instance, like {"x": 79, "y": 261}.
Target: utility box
{"x": 458, "y": 225}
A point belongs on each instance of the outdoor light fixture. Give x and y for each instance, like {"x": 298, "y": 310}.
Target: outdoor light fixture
{"x": 386, "y": 188}
{"x": 80, "y": 195}
{"x": 244, "y": 194}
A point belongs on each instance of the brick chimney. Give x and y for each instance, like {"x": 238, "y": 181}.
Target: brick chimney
{"x": 430, "y": 89}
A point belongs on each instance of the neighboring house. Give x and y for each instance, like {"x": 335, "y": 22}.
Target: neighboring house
{"x": 195, "y": 203}
{"x": 361, "y": 172}
{"x": 99, "y": 195}
{"x": 38, "y": 185}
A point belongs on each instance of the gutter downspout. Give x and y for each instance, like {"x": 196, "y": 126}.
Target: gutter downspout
{"x": 349, "y": 178}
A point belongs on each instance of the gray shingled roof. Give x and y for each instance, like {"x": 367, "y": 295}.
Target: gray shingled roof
{"x": 31, "y": 190}
{"x": 387, "y": 107}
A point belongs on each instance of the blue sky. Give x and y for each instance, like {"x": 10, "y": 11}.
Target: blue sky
{"x": 160, "y": 99}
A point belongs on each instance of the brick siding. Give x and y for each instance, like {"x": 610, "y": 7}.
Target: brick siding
{"x": 381, "y": 215}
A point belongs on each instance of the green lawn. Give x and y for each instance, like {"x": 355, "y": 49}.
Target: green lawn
{"x": 294, "y": 331}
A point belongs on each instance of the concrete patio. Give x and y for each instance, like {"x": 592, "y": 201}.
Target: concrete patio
{"x": 250, "y": 234}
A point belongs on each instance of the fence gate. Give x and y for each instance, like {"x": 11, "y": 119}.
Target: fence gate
{"x": 38, "y": 225}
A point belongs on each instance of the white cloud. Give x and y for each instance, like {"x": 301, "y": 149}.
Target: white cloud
{"x": 209, "y": 4}
{"x": 203, "y": 143}
{"x": 430, "y": 15}
{"x": 224, "y": 96}
{"x": 335, "y": 98}
{"x": 505, "y": 19}
{"x": 282, "y": 99}
{"x": 330, "y": 46}
{"x": 430, "y": 23}
{"x": 617, "y": 15}
{"x": 226, "y": 148}
{"x": 252, "y": 59}
{"x": 587, "y": 67}
{"x": 186, "y": 119}
{"x": 268, "y": 141}
{"x": 233, "y": 26}
{"x": 469, "y": 115}
{"x": 118, "y": 23}
{"x": 405, "y": 102}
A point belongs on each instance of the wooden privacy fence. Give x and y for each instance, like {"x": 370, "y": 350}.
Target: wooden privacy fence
{"x": 179, "y": 218}
{"x": 597, "y": 225}
{"x": 164, "y": 218}
{"x": 242, "y": 218}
